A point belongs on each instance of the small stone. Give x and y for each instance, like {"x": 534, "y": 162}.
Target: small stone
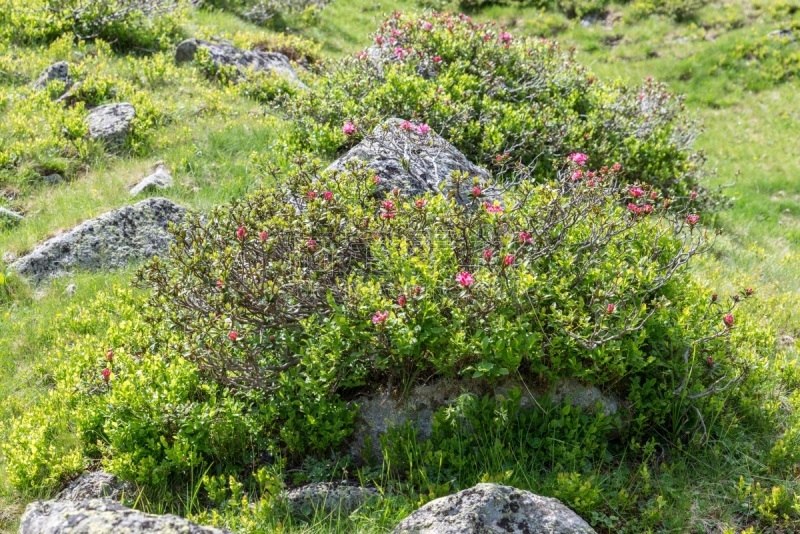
{"x": 8, "y": 214}
{"x": 57, "y": 71}
{"x": 97, "y": 484}
{"x": 161, "y": 178}
{"x": 326, "y": 497}
{"x": 490, "y": 508}
{"x": 70, "y": 290}
{"x": 111, "y": 122}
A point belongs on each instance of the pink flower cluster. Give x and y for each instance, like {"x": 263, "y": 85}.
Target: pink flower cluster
{"x": 380, "y": 317}
{"x": 349, "y": 128}
{"x": 493, "y": 208}
{"x": 692, "y": 219}
{"x": 388, "y": 209}
{"x": 465, "y": 279}
{"x": 578, "y": 158}
{"x": 421, "y": 128}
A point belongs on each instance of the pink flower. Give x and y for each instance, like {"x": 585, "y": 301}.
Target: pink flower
{"x": 241, "y": 233}
{"x": 106, "y": 373}
{"x": 508, "y": 259}
{"x": 476, "y": 191}
{"x": 401, "y": 301}
{"x": 728, "y": 320}
{"x": 437, "y": 59}
{"x": 380, "y": 317}
{"x": 692, "y": 219}
{"x": 654, "y": 195}
{"x": 311, "y": 195}
{"x": 349, "y": 128}
{"x": 379, "y": 39}
{"x": 465, "y": 279}
{"x": 110, "y": 355}
{"x": 577, "y": 175}
{"x": 591, "y": 183}
{"x": 423, "y": 129}
{"x": 525, "y": 238}
{"x": 420, "y": 203}
{"x": 327, "y": 195}
{"x": 407, "y": 125}
{"x": 714, "y": 297}
{"x": 578, "y": 158}
{"x": 388, "y": 214}
{"x": 493, "y": 208}
{"x": 617, "y": 167}
{"x": 263, "y": 235}
{"x": 636, "y": 192}
{"x": 220, "y": 284}
{"x": 633, "y": 208}
{"x": 693, "y": 195}
{"x": 418, "y": 290}
{"x": 311, "y": 244}
{"x": 387, "y": 205}
{"x": 376, "y": 179}
{"x": 505, "y": 38}
{"x": 233, "y": 335}
{"x": 427, "y": 26}
{"x": 749, "y": 292}
{"x": 611, "y": 307}
{"x": 647, "y": 208}
{"x": 487, "y": 254}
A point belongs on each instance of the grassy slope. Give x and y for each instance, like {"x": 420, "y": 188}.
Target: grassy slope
{"x": 749, "y": 138}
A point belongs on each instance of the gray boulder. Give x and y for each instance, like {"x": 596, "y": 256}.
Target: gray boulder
{"x": 224, "y": 54}
{"x": 109, "y": 241}
{"x": 326, "y": 497}
{"x": 97, "y": 484}
{"x": 101, "y": 516}
{"x": 57, "y": 71}
{"x": 491, "y": 508}
{"x": 111, "y": 123}
{"x": 161, "y": 178}
{"x": 415, "y": 163}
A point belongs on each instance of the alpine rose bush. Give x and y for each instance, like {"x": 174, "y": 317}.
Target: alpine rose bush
{"x": 310, "y": 297}
{"x": 505, "y": 101}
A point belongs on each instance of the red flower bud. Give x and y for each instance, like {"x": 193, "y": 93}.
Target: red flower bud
{"x": 728, "y": 320}
{"x": 401, "y": 301}
{"x": 241, "y": 233}
{"x": 110, "y": 355}
{"x": 106, "y": 374}
{"x": 611, "y": 307}
{"x": 233, "y": 335}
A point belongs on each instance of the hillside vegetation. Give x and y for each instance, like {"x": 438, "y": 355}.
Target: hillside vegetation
{"x": 636, "y": 231}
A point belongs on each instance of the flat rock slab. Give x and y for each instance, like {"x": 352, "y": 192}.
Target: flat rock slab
{"x": 101, "y": 516}
{"x": 160, "y": 179}
{"x": 415, "y": 163}
{"x": 110, "y": 241}
{"x": 224, "y": 54}
{"x": 491, "y": 508}
{"x": 111, "y": 123}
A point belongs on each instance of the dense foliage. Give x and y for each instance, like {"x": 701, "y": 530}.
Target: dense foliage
{"x": 503, "y": 100}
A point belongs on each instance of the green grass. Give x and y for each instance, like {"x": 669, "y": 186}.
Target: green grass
{"x": 750, "y": 138}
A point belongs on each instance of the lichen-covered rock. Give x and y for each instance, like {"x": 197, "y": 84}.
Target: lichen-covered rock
{"x": 96, "y": 484}
{"x": 109, "y": 241}
{"x": 491, "y": 508}
{"x": 111, "y": 122}
{"x": 382, "y": 410}
{"x": 325, "y": 497}
{"x": 224, "y": 54}
{"x": 411, "y": 159}
{"x": 101, "y": 516}
{"x": 57, "y": 71}
{"x": 161, "y": 178}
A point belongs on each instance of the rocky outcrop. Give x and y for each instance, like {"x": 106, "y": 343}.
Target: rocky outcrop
{"x": 96, "y": 484}
{"x": 101, "y": 516}
{"x": 57, "y": 71}
{"x": 111, "y": 123}
{"x": 109, "y": 241}
{"x": 489, "y": 508}
{"x": 326, "y": 497}
{"x": 379, "y": 412}
{"x": 412, "y": 158}
{"x": 224, "y": 54}
{"x": 161, "y": 178}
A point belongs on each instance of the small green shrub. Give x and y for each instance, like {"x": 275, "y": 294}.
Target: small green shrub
{"x": 504, "y": 101}
{"x": 678, "y": 10}
{"x": 765, "y": 61}
{"x": 146, "y": 25}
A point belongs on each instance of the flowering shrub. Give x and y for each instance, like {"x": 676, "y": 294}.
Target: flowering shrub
{"x": 321, "y": 287}
{"x": 505, "y": 101}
